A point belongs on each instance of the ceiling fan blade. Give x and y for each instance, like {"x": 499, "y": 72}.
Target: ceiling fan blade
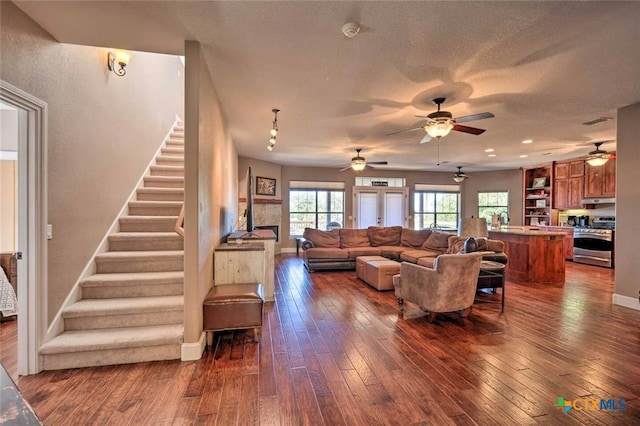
{"x": 346, "y": 168}
{"x": 382, "y": 163}
{"x": 368, "y": 167}
{"x": 467, "y": 129}
{"x": 427, "y": 138}
{"x": 473, "y": 117}
{"x": 405, "y": 130}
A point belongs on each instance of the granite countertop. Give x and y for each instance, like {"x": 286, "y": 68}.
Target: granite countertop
{"x": 526, "y": 230}
{"x": 256, "y": 234}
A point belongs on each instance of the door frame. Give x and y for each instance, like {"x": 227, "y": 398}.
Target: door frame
{"x": 32, "y": 224}
{"x": 380, "y": 191}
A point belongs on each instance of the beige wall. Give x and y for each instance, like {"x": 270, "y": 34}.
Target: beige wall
{"x": 263, "y": 169}
{"x": 500, "y": 180}
{"x": 102, "y": 132}
{"x": 628, "y": 204}
{"x": 8, "y": 205}
{"x": 211, "y": 192}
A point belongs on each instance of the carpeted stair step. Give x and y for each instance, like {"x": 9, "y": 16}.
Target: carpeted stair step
{"x": 167, "y": 171}
{"x": 139, "y": 261}
{"x": 160, "y": 194}
{"x": 86, "y": 348}
{"x": 173, "y": 150}
{"x": 145, "y": 241}
{"x": 169, "y": 160}
{"x": 155, "y": 208}
{"x": 133, "y": 284}
{"x": 147, "y": 223}
{"x": 175, "y": 143}
{"x": 91, "y": 314}
{"x": 164, "y": 182}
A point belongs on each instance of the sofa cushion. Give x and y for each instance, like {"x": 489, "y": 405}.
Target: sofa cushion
{"x": 393, "y": 252}
{"x": 326, "y": 253}
{"x": 353, "y": 238}
{"x": 413, "y": 255}
{"x": 494, "y": 245}
{"x": 384, "y": 236}
{"x": 427, "y": 261}
{"x": 414, "y": 237}
{"x": 322, "y": 239}
{"x": 437, "y": 241}
{"x": 362, "y": 251}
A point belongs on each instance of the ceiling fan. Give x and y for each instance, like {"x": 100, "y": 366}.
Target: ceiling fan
{"x": 459, "y": 176}
{"x": 599, "y": 157}
{"x": 358, "y": 163}
{"x": 440, "y": 123}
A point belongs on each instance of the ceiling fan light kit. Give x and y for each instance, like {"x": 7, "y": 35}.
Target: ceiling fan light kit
{"x": 438, "y": 128}
{"x": 598, "y": 157}
{"x": 459, "y": 176}
{"x": 358, "y": 163}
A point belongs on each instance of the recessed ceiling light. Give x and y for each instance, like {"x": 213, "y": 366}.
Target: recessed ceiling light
{"x": 524, "y": 156}
{"x": 489, "y": 150}
{"x": 527, "y": 141}
{"x": 491, "y": 155}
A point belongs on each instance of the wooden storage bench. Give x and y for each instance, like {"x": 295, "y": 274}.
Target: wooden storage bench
{"x": 233, "y": 306}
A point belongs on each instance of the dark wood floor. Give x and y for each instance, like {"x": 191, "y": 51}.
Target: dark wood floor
{"x": 335, "y": 351}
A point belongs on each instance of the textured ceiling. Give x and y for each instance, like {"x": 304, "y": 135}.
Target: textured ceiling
{"x": 542, "y": 68}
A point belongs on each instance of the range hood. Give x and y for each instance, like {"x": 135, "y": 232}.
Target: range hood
{"x": 598, "y": 200}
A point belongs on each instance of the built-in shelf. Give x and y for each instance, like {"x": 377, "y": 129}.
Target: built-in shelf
{"x": 537, "y": 185}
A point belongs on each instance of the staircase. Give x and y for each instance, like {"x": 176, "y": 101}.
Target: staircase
{"x": 132, "y": 307}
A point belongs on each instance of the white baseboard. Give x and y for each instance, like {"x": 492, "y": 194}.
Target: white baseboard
{"x": 193, "y": 351}
{"x": 626, "y": 301}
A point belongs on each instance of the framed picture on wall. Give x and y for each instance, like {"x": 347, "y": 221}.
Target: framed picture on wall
{"x": 265, "y": 186}
{"x": 540, "y": 182}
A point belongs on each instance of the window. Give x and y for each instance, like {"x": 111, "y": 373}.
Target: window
{"x": 490, "y": 203}
{"x": 436, "y": 209}
{"x": 315, "y": 208}
{"x": 369, "y": 181}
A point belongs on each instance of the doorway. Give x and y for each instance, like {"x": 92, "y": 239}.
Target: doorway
{"x": 384, "y": 206}
{"x": 31, "y": 222}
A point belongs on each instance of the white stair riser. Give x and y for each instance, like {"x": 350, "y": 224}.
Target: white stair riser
{"x": 143, "y": 244}
{"x": 124, "y": 320}
{"x": 167, "y": 171}
{"x": 111, "y": 357}
{"x": 141, "y": 290}
{"x": 169, "y": 161}
{"x": 144, "y": 195}
{"x": 161, "y": 224}
{"x": 144, "y": 265}
{"x": 159, "y": 182}
{"x": 159, "y": 209}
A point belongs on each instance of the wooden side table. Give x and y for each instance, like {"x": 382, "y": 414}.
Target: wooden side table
{"x": 492, "y": 276}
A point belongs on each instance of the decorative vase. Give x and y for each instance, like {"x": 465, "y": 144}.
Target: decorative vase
{"x": 470, "y": 245}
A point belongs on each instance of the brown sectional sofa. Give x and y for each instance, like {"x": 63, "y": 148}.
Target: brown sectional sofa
{"x": 338, "y": 248}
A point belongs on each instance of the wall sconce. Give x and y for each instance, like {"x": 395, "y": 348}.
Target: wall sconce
{"x": 274, "y": 130}
{"x": 117, "y": 62}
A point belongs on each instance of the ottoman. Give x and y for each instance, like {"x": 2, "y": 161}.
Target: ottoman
{"x": 233, "y": 306}
{"x": 379, "y": 273}
{"x": 361, "y": 262}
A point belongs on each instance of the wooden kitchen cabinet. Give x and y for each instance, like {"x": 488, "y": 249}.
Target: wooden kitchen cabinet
{"x": 568, "y": 184}
{"x": 600, "y": 181}
{"x": 568, "y": 239}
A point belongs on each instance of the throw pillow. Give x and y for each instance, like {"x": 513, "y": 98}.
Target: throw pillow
{"x": 384, "y": 236}
{"x": 438, "y": 241}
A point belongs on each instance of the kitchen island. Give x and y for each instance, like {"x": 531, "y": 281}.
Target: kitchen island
{"x": 535, "y": 256}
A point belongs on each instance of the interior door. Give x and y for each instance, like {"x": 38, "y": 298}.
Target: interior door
{"x": 380, "y": 206}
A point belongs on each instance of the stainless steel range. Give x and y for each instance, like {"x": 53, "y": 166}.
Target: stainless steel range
{"x": 593, "y": 245}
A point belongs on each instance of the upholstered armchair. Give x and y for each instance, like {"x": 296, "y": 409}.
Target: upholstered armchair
{"x": 447, "y": 287}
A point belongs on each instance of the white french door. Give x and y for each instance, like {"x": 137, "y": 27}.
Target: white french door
{"x": 380, "y": 206}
